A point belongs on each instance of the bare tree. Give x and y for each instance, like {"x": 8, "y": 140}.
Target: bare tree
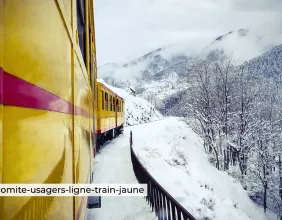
{"x": 238, "y": 114}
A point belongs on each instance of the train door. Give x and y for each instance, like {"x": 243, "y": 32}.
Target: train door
{"x": 116, "y": 115}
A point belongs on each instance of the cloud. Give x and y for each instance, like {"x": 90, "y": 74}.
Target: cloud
{"x": 127, "y": 29}
{"x": 256, "y": 5}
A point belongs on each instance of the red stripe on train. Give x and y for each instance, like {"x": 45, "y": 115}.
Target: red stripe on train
{"x": 18, "y": 92}
{"x": 105, "y": 130}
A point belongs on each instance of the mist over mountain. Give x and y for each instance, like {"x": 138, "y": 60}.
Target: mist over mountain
{"x": 162, "y": 74}
{"x": 244, "y": 45}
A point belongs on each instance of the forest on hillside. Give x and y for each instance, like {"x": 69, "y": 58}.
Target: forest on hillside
{"x": 237, "y": 111}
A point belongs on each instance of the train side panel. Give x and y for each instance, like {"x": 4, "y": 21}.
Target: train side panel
{"x": 105, "y": 116}
{"x": 120, "y": 112}
{"x": 1, "y": 98}
{"x": 82, "y": 139}
{"x": 47, "y": 126}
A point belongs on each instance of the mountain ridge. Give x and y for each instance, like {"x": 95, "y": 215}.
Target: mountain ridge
{"x": 157, "y": 77}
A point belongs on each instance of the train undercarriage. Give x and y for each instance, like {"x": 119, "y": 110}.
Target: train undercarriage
{"x": 101, "y": 139}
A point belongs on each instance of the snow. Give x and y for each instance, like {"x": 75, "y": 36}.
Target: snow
{"x": 174, "y": 155}
{"x": 113, "y": 166}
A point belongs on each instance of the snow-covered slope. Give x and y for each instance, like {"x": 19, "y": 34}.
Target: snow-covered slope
{"x": 269, "y": 64}
{"x": 137, "y": 110}
{"x": 174, "y": 155}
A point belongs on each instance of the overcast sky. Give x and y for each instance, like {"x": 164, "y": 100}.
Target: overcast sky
{"x": 127, "y": 29}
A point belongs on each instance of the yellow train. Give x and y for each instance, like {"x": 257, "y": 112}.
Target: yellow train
{"x": 110, "y": 114}
{"x": 52, "y": 109}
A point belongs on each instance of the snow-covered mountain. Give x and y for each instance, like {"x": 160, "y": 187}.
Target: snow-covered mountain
{"x": 269, "y": 64}
{"x": 153, "y": 76}
{"x": 244, "y": 44}
{"x": 239, "y": 33}
{"x": 161, "y": 75}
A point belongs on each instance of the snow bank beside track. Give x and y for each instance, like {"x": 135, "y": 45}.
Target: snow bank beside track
{"x": 174, "y": 155}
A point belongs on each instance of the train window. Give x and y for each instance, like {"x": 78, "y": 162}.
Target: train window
{"x": 114, "y": 106}
{"x": 111, "y": 103}
{"x": 102, "y": 100}
{"x": 80, "y": 11}
{"x": 106, "y": 101}
{"x": 117, "y": 105}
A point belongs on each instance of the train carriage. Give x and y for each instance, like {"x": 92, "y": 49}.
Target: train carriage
{"x": 47, "y": 75}
{"x": 109, "y": 114}
{"x": 52, "y": 109}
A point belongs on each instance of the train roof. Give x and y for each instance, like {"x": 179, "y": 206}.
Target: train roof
{"x": 106, "y": 87}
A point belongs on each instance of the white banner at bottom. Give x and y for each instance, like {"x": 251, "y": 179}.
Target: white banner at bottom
{"x": 73, "y": 189}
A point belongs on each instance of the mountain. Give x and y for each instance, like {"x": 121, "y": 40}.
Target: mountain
{"x": 240, "y": 33}
{"x": 153, "y": 76}
{"x": 244, "y": 45}
{"x": 269, "y": 64}
{"x": 161, "y": 75}
{"x": 147, "y": 56}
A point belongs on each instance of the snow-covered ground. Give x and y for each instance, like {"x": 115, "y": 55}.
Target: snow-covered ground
{"x": 137, "y": 110}
{"x": 113, "y": 166}
{"x": 174, "y": 155}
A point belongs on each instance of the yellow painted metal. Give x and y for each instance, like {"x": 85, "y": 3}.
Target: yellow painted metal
{"x": 37, "y": 149}
{"x": 106, "y": 119}
{"x": 87, "y": 41}
{"x": 82, "y": 149}
{"x": 42, "y": 146}
{"x": 40, "y": 45}
{"x": 68, "y": 4}
{"x": 1, "y": 106}
{"x": 1, "y": 32}
{"x": 49, "y": 147}
{"x": 120, "y": 114}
